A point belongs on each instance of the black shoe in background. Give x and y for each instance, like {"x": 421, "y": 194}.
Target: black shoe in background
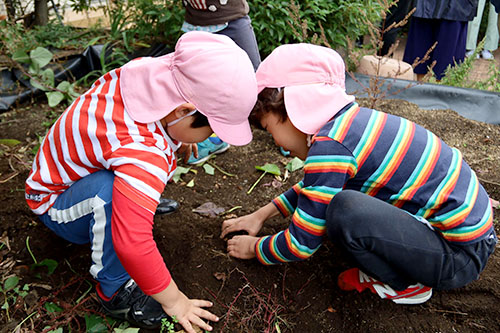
{"x": 166, "y": 206}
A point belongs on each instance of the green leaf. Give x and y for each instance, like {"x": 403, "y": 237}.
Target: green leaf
{"x": 46, "y": 76}
{"x": 270, "y": 168}
{"x": 35, "y": 84}
{"x": 40, "y": 56}
{"x": 295, "y": 164}
{"x": 209, "y": 169}
{"x": 179, "y": 171}
{"x": 54, "y": 97}
{"x": 72, "y": 91}
{"x": 126, "y": 330}
{"x": 21, "y": 56}
{"x": 95, "y": 324}
{"x": 10, "y": 142}
{"x": 93, "y": 41}
{"x": 49, "y": 263}
{"x": 64, "y": 86}
{"x": 10, "y": 283}
{"x": 124, "y": 327}
{"x": 52, "y": 307}
{"x": 191, "y": 183}
{"x": 57, "y": 330}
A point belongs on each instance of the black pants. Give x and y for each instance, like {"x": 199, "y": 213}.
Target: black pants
{"x": 395, "y": 14}
{"x": 396, "y": 248}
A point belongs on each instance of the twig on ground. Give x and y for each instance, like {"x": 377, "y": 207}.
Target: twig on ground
{"x": 451, "y": 312}
{"x": 488, "y": 181}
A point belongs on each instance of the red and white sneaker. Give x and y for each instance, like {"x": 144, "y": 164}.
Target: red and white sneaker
{"x": 355, "y": 279}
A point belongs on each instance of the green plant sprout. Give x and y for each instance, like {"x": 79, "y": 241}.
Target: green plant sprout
{"x": 11, "y": 291}
{"x": 179, "y": 171}
{"x": 49, "y": 263}
{"x": 267, "y": 168}
{"x": 95, "y": 323}
{"x": 44, "y": 78}
{"x": 232, "y": 209}
{"x": 208, "y": 168}
{"x": 167, "y": 325}
{"x": 9, "y": 142}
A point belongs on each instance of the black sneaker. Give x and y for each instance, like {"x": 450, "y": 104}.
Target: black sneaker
{"x": 166, "y": 206}
{"x": 131, "y": 304}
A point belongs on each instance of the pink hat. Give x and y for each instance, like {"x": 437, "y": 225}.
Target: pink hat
{"x": 207, "y": 70}
{"x": 314, "y": 81}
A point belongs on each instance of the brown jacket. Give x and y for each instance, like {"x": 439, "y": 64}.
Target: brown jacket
{"x": 212, "y": 12}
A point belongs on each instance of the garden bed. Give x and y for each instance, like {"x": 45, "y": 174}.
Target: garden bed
{"x": 249, "y": 297}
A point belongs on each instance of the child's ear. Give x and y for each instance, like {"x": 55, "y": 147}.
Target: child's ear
{"x": 183, "y": 110}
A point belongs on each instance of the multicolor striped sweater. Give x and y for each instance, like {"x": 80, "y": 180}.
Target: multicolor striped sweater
{"x": 386, "y": 157}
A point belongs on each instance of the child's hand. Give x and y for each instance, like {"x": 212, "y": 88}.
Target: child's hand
{"x": 242, "y": 247}
{"x": 186, "y": 149}
{"x": 186, "y": 311}
{"x": 251, "y": 223}
{"x": 190, "y": 311}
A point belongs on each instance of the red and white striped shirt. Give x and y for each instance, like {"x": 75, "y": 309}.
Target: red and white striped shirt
{"x": 96, "y": 133}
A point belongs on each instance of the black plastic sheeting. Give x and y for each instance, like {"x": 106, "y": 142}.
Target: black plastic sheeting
{"x": 16, "y": 89}
{"x": 474, "y": 104}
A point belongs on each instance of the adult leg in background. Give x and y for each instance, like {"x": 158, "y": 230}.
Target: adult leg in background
{"x": 241, "y": 32}
{"x": 396, "y": 14}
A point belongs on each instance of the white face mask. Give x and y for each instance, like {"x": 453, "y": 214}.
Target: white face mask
{"x": 179, "y": 119}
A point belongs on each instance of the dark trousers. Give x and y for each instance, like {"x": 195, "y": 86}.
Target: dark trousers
{"x": 241, "y": 32}
{"x": 395, "y": 14}
{"x": 450, "y": 50}
{"x": 398, "y": 249}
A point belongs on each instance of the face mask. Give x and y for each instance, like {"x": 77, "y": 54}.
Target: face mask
{"x": 179, "y": 119}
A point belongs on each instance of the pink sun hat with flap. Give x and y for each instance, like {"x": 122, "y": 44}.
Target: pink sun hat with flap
{"x": 207, "y": 70}
{"x": 313, "y": 78}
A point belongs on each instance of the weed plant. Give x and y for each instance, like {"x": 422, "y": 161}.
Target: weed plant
{"x": 337, "y": 20}
{"x": 459, "y": 75}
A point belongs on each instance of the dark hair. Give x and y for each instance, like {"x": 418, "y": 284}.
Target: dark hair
{"x": 270, "y": 100}
{"x": 199, "y": 120}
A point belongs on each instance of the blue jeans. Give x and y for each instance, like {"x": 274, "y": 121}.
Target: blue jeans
{"x": 241, "y": 32}
{"x": 81, "y": 215}
{"x": 398, "y": 249}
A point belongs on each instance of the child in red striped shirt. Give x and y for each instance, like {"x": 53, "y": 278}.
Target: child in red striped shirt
{"x": 403, "y": 205}
{"x": 99, "y": 173}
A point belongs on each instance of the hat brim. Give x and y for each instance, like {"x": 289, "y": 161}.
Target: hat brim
{"x": 148, "y": 89}
{"x": 234, "y": 134}
{"x": 311, "y": 106}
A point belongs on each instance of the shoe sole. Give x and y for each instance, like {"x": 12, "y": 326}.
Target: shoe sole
{"x": 220, "y": 151}
{"x": 418, "y": 299}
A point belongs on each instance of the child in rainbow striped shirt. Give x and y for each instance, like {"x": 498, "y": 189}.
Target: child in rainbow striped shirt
{"x": 403, "y": 204}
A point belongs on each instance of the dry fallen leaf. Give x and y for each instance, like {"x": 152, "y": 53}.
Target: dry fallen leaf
{"x": 209, "y": 209}
{"x": 5, "y": 240}
{"x": 220, "y": 276}
{"x": 330, "y": 309}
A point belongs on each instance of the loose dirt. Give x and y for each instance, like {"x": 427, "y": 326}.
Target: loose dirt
{"x": 249, "y": 297}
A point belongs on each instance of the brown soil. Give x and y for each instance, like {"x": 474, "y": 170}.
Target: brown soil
{"x": 297, "y": 297}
